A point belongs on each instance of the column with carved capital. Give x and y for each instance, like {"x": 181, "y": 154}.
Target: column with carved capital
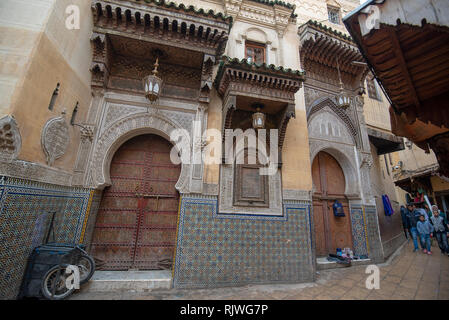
{"x": 369, "y": 206}
{"x": 100, "y": 69}
{"x": 197, "y": 167}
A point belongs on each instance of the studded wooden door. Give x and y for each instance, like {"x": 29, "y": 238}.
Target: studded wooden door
{"x": 329, "y": 181}
{"x": 137, "y": 218}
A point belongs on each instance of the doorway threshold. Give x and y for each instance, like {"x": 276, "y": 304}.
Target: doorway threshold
{"x": 135, "y": 281}
{"x": 324, "y": 264}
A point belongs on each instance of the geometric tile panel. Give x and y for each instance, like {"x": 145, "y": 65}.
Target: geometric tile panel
{"x": 24, "y": 221}
{"x": 375, "y": 248}
{"x": 358, "y": 231}
{"x": 215, "y": 250}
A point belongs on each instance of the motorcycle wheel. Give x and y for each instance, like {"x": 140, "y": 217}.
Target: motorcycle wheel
{"x": 50, "y": 278}
{"x": 86, "y": 266}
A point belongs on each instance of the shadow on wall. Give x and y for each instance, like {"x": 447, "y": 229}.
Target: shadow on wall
{"x": 391, "y": 231}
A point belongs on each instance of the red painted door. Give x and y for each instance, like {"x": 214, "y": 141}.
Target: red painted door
{"x": 330, "y": 232}
{"x": 137, "y": 218}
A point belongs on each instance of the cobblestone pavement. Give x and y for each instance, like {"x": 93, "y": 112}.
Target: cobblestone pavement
{"x": 405, "y": 276}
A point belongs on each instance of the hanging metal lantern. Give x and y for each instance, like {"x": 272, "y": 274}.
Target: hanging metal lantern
{"x": 258, "y": 119}
{"x": 343, "y": 100}
{"x": 153, "y": 84}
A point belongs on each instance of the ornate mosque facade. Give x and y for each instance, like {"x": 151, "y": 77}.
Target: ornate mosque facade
{"x": 79, "y": 137}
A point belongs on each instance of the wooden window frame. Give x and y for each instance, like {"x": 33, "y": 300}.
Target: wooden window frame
{"x": 374, "y": 92}
{"x": 239, "y": 200}
{"x": 252, "y": 44}
{"x": 336, "y": 10}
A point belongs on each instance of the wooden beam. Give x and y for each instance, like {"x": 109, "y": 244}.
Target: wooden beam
{"x": 398, "y": 52}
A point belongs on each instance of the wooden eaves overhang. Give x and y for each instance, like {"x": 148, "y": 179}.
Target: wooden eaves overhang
{"x": 323, "y": 45}
{"x": 418, "y": 178}
{"x": 320, "y": 46}
{"x": 235, "y": 71}
{"x": 408, "y": 52}
{"x": 163, "y": 22}
{"x": 239, "y": 78}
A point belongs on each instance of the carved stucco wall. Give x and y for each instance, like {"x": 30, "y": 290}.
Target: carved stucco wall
{"x": 227, "y": 184}
{"x": 121, "y": 120}
{"x": 334, "y": 131}
{"x": 329, "y": 133}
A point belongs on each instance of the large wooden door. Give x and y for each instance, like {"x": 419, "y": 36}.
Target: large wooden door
{"x": 137, "y": 218}
{"x": 330, "y": 232}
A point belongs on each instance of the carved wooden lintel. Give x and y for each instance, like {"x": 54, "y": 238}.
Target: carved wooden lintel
{"x": 229, "y": 107}
{"x": 289, "y": 113}
{"x": 101, "y": 59}
{"x": 206, "y": 78}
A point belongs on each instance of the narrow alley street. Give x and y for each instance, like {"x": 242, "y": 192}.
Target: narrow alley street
{"x": 405, "y": 276}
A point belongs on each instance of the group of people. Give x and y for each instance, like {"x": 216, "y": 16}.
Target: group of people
{"x": 423, "y": 223}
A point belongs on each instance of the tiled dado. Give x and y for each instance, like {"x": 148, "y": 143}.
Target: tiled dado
{"x": 359, "y": 231}
{"x": 225, "y": 250}
{"x": 24, "y": 220}
{"x": 375, "y": 248}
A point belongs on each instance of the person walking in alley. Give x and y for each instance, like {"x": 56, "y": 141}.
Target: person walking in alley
{"x": 405, "y": 224}
{"x": 440, "y": 230}
{"x": 419, "y": 207}
{"x": 412, "y": 221}
{"x": 425, "y": 230}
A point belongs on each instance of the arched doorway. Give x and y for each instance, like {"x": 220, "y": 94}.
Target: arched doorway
{"x": 329, "y": 180}
{"x": 137, "y": 218}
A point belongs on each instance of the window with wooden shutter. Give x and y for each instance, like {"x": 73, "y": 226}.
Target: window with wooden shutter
{"x": 255, "y": 52}
{"x": 250, "y": 188}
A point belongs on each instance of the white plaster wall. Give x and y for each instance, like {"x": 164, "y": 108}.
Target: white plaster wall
{"x": 317, "y": 10}
{"x": 21, "y": 22}
{"x": 73, "y": 45}
{"x": 243, "y": 30}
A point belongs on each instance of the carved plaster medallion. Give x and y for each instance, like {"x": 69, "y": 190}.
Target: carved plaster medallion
{"x": 10, "y": 140}
{"x": 55, "y": 138}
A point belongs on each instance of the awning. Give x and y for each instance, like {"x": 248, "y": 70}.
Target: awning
{"x": 385, "y": 142}
{"x": 410, "y": 181}
{"x": 406, "y": 45}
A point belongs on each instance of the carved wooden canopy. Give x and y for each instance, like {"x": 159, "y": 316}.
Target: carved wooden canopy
{"x": 238, "y": 77}
{"x": 320, "y": 46}
{"x": 163, "y": 22}
{"x": 128, "y": 35}
{"x": 242, "y": 84}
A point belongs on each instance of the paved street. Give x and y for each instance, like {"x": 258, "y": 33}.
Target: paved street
{"x": 406, "y": 275}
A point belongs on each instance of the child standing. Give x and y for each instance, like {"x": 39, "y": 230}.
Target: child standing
{"x": 425, "y": 229}
{"x": 439, "y": 228}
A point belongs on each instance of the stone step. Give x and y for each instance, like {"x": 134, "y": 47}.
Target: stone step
{"x": 136, "y": 281}
{"x": 324, "y": 264}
